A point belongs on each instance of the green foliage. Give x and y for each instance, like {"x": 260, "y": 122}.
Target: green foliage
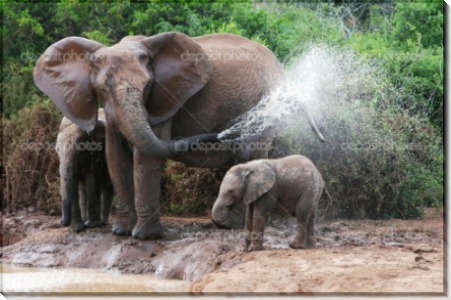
{"x": 405, "y": 39}
{"x": 419, "y": 22}
{"x": 410, "y": 48}
{"x": 380, "y": 161}
{"x": 19, "y": 90}
{"x": 189, "y": 191}
{"x": 98, "y": 37}
{"x": 379, "y": 169}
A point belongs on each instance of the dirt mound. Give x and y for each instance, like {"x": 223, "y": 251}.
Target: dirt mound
{"x": 352, "y": 256}
{"x": 368, "y": 269}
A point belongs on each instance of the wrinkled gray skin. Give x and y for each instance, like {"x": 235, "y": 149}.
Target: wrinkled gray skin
{"x": 86, "y": 188}
{"x": 291, "y": 185}
{"x": 156, "y": 90}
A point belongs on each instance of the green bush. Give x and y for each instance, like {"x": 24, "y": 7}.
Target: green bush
{"x": 399, "y": 115}
{"x": 189, "y": 191}
{"x": 380, "y": 161}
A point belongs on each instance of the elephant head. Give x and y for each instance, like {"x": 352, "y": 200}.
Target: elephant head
{"x": 242, "y": 185}
{"x": 141, "y": 81}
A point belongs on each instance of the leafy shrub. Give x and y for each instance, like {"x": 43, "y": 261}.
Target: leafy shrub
{"x": 189, "y": 191}
{"x": 379, "y": 161}
{"x": 19, "y": 90}
{"x": 29, "y": 159}
{"x": 375, "y": 169}
{"x": 384, "y": 157}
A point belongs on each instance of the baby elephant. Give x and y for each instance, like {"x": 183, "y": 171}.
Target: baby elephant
{"x": 291, "y": 185}
{"x": 85, "y": 180}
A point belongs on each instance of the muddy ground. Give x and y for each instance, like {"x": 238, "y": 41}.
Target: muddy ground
{"x": 353, "y": 256}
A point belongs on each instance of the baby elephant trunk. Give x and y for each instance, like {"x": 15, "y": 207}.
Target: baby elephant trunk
{"x": 228, "y": 217}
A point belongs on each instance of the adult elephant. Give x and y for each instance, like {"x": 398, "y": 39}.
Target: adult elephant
{"x": 154, "y": 90}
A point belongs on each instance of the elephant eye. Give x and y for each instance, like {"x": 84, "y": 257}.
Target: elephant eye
{"x": 147, "y": 89}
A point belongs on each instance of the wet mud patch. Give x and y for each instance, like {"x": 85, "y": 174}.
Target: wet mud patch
{"x": 190, "y": 249}
{"x": 352, "y": 255}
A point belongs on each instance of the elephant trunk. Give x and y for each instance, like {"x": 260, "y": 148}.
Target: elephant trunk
{"x": 135, "y": 127}
{"x": 218, "y": 214}
{"x": 227, "y": 216}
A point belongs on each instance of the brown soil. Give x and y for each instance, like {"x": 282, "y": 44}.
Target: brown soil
{"x": 358, "y": 256}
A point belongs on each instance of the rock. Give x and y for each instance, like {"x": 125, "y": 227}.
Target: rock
{"x": 418, "y": 258}
{"x": 420, "y": 250}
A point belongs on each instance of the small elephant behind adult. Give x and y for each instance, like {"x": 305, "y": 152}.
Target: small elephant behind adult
{"x": 86, "y": 188}
{"x": 290, "y": 185}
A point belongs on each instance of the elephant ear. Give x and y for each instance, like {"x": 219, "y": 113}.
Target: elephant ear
{"x": 181, "y": 69}
{"x": 62, "y": 72}
{"x": 258, "y": 181}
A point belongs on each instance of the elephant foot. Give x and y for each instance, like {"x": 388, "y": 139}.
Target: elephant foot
{"x": 77, "y": 227}
{"x": 298, "y": 245}
{"x": 65, "y": 222}
{"x": 254, "y": 248}
{"x": 124, "y": 225}
{"x": 147, "y": 231}
{"x": 119, "y": 228}
{"x": 91, "y": 223}
{"x": 105, "y": 221}
{"x": 247, "y": 244}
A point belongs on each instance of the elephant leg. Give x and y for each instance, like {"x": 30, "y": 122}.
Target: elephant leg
{"x": 311, "y": 237}
{"x": 77, "y": 221}
{"x": 93, "y": 201}
{"x": 262, "y": 209}
{"x": 305, "y": 217}
{"x": 69, "y": 194}
{"x": 147, "y": 178}
{"x": 258, "y": 227}
{"x": 248, "y": 225}
{"x": 120, "y": 166}
{"x": 107, "y": 200}
{"x": 82, "y": 200}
